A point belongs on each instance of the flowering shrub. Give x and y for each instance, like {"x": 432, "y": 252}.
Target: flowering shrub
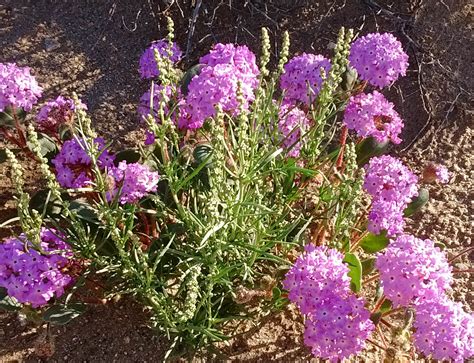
{"x": 239, "y": 201}
{"x": 292, "y": 125}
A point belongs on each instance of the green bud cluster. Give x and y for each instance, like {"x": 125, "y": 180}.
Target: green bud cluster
{"x": 191, "y": 289}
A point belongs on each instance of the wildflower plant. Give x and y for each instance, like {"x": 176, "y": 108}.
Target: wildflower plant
{"x": 247, "y": 194}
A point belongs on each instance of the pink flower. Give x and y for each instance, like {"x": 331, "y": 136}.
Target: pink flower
{"x": 412, "y": 269}
{"x": 132, "y": 182}
{"x": 444, "y": 330}
{"x": 372, "y": 115}
{"x": 56, "y": 112}
{"x": 302, "y": 80}
{"x": 436, "y": 172}
{"x": 378, "y": 58}
{"x": 148, "y": 67}
{"x": 18, "y": 88}
{"x": 31, "y": 277}
{"x": 216, "y": 84}
{"x": 73, "y": 164}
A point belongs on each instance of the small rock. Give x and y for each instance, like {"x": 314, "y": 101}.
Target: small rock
{"x": 51, "y": 44}
{"x": 126, "y": 340}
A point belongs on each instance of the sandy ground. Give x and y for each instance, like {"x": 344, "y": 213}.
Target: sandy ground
{"x": 92, "y": 47}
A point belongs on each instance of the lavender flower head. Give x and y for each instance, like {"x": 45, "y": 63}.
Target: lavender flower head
{"x": 29, "y": 276}
{"x": 18, "y": 88}
{"x": 338, "y": 328}
{"x": 214, "y": 85}
{"x": 73, "y": 164}
{"x": 55, "y": 113}
{"x": 378, "y": 58}
{"x": 239, "y": 56}
{"x": 386, "y": 216}
{"x": 386, "y": 178}
{"x": 148, "y": 67}
{"x": 372, "y": 115}
{"x": 444, "y": 330}
{"x": 133, "y": 182}
{"x": 317, "y": 272}
{"x": 412, "y": 269}
{"x": 302, "y": 80}
{"x": 392, "y": 186}
{"x": 292, "y": 125}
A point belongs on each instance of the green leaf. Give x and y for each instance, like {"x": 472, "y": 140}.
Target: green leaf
{"x": 386, "y": 306}
{"x": 373, "y": 243}
{"x": 417, "y": 203}
{"x": 128, "y": 155}
{"x": 84, "y": 211}
{"x": 65, "y": 132}
{"x": 8, "y": 303}
{"x": 355, "y": 271}
{"x": 368, "y": 265}
{"x": 276, "y": 293}
{"x": 47, "y": 144}
{"x": 203, "y": 153}
{"x": 63, "y": 314}
{"x": 369, "y": 148}
{"x": 188, "y": 76}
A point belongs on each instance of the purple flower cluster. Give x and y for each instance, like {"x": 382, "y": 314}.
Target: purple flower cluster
{"x": 302, "y": 80}
{"x": 378, "y": 58}
{"x": 55, "y": 113}
{"x": 317, "y": 271}
{"x": 18, "y": 88}
{"x": 238, "y": 56}
{"x": 132, "y": 182}
{"x": 392, "y": 186}
{"x": 372, "y": 115}
{"x": 337, "y": 323}
{"x": 412, "y": 269}
{"x": 338, "y": 328}
{"x": 148, "y": 67}
{"x": 73, "y": 164}
{"x": 216, "y": 84}
{"x": 31, "y": 277}
{"x": 444, "y": 330}
{"x": 292, "y": 125}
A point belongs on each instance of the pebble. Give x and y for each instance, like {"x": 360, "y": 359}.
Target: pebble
{"x": 51, "y": 44}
